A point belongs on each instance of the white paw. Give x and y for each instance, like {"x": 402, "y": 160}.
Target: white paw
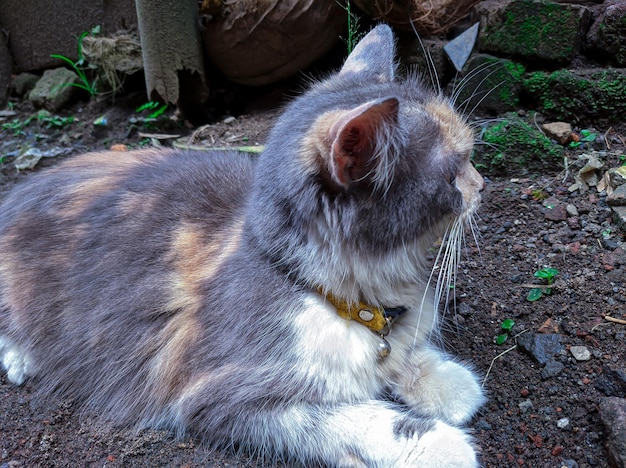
{"x": 442, "y": 447}
{"x": 443, "y": 389}
{"x": 16, "y": 363}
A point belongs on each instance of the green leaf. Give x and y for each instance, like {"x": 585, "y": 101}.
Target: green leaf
{"x": 500, "y": 339}
{"x": 157, "y": 112}
{"x": 587, "y": 135}
{"x": 546, "y": 273}
{"x": 508, "y": 324}
{"x": 147, "y": 105}
{"x": 534, "y": 294}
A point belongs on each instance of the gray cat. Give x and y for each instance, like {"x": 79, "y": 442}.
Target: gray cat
{"x": 277, "y": 305}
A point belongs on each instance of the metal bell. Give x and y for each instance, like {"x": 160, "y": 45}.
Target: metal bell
{"x": 384, "y": 348}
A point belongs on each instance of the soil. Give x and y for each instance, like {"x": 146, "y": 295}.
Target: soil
{"x": 537, "y": 415}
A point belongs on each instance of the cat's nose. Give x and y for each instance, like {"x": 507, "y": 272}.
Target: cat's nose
{"x": 475, "y": 178}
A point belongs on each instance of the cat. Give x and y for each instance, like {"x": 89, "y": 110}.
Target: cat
{"x": 279, "y": 304}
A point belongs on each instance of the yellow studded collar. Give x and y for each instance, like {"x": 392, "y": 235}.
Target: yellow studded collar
{"x": 377, "y": 319}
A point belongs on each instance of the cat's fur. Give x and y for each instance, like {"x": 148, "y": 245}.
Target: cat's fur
{"x": 180, "y": 289}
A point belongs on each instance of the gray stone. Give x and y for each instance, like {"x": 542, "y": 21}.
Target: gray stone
{"x": 613, "y": 415}
{"x": 54, "y": 89}
{"x": 460, "y": 48}
{"x": 524, "y": 406}
{"x": 534, "y": 29}
{"x": 571, "y": 209}
{"x": 542, "y": 348}
{"x": 580, "y": 353}
{"x": 551, "y": 369}
{"x": 612, "y": 382}
{"x": 24, "y": 83}
{"x": 562, "y": 423}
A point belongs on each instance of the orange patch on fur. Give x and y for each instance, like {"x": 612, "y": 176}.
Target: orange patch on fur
{"x": 196, "y": 257}
{"x": 317, "y": 143}
{"x": 457, "y": 136}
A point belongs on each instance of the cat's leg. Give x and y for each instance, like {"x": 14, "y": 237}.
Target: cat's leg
{"x": 434, "y": 385}
{"x": 369, "y": 434}
{"x": 15, "y": 361}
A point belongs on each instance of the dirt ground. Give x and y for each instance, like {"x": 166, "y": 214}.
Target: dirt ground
{"x": 537, "y": 415}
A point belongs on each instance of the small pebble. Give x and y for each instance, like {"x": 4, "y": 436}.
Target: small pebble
{"x": 562, "y": 423}
{"x": 525, "y": 405}
{"x": 571, "y": 210}
{"x": 580, "y": 353}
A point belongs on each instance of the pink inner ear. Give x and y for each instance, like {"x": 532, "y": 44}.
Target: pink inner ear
{"x": 355, "y": 136}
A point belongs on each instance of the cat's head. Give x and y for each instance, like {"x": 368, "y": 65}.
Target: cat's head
{"x": 366, "y": 163}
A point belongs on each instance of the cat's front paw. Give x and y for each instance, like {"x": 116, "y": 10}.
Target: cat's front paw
{"x": 442, "y": 447}
{"x": 444, "y": 389}
{"x": 16, "y": 363}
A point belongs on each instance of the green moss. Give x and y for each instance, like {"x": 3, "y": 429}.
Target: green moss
{"x": 513, "y": 146}
{"x": 570, "y": 96}
{"x": 535, "y": 29}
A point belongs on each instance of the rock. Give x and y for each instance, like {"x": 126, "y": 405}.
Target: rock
{"x": 24, "y": 83}
{"x": 411, "y": 53}
{"x": 607, "y": 35}
{"x": 619, "y": 216}
{"x": 490, "y": 84}
{"x": 559, "y": 131}
{"x": 580, "y": 353}
{"x": 600, "y": 93}
{"x": 54, "y": 89}
{"x": 617, "y": 176}
{"x": 613, "y": 415}
{"x": 533, "y": 29}
{"x": 618, "y": 197}
{"x": 31, "y": 43}
{"x": 513, "y": 145}
{"x": 571, "y": 210}
{"x": 29, "y": 158}
{"x": 541, "y": 347}
{"x": 524, "y": 406}
{"x": 551, "y": 369}
{"x": 555, "y": 213}
{"x": 612, "y": 382}
{"x": 562, "y": 423}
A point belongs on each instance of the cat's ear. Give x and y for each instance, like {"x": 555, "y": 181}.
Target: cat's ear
{"x": 373, "y": 57}
{"x": 361, "y": 142}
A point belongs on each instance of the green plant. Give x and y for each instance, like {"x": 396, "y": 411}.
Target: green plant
{"x": 156, "y": 107}
{"x": 79, "y": 66}
{"x": 354, "y": 36}
{"x": 506, "y": 326}
{"x": 547, "y": 274}
{"x": 17, "y": 126}
{"x": 55, "y": 120}
{"x": 585, "y": 136}
{"x": 622, "y": 160}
